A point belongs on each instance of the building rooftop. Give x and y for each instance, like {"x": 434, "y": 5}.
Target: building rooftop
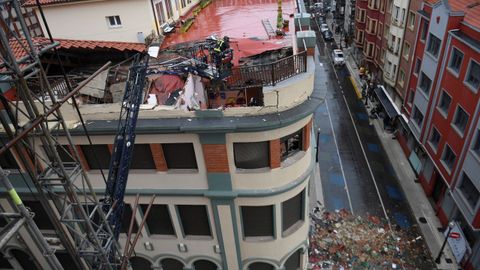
{"x": 240, "y": 19}
{"x": 20, "y": 49}
{"x": 471, "y": 9}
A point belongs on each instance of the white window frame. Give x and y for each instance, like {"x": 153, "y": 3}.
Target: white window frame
{"x": 449, "y": 68}
{"x": 452, "y": 124}
{"x": 439, "y": 109}
{"x": 411, "y": 15}
{"x": 406, "y": 56}
{"x": 434, "y": 148}
{"x": 472, "y": 210}
{"x": 116, "y": 18}
{"x": 415, "y": 71}
{"x": 449, "y": 170}
{"x": 471, "y": 87}
{"x": 429, "y": 40}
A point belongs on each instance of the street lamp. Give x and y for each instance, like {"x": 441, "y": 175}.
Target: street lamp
{"x": 451, "y": 224}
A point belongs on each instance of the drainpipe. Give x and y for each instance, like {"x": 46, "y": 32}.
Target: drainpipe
{"x": 155, "y": 18}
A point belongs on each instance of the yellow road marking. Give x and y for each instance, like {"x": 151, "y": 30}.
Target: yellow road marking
{"x": 359, "y": 95}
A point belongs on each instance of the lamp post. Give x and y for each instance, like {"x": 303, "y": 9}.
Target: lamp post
{"x": 451, "y": 224}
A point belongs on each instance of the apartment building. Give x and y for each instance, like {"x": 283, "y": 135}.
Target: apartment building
{"x": 395, "y": 36}
{"x": 441, "y": 136}
{"x": 406, "y": 56}
{"x": 231, "y": 183}
{"x": 369, "y": 35}
{"x": 110, "y": 20}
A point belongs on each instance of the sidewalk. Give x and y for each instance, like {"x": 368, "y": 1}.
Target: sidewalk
{"x": 417, "y": 199}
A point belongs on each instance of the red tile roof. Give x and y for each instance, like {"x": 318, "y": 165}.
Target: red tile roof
{"x": 20, "y": 49}
{"x": 29, "y": 3}
{"x": 471, "y": 9}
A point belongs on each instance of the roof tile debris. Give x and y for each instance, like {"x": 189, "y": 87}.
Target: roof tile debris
{"x": 339, "y": 240}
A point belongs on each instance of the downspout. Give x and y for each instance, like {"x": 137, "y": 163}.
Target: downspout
{"x": 155, "y": 18}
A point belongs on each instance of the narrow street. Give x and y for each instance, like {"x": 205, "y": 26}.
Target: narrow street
{"x": 355, "y": 172}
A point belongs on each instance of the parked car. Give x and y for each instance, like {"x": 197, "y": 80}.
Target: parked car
{"x": 327, "y": 35}
{"x": 324, "y": 27}
{"x": 338, "y": 57}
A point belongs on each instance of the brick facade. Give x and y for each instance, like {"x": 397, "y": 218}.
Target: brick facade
{"x": 158, "y": 157}
{"x": 216, "y": 159}
{"x": 275, "y": 154}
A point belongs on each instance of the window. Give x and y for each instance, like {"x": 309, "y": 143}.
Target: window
{"x": 455, "y": 60}
{"x": 251, "y": 155}
{"x": 382, "y": 6}
{"x": 41, "y": 218}
{"x": 7, "y": 161}
{"x": 411, "y": 20}
{"x": 461, "y": 119}
{"x": 401, "y": 78}
{"x": 380, "y": 30}
{"x": 469, "y": 191}
{"x": 160, "y": 13}
{"x": 418, "y": 64}
{"x": 168, "y": 6}
{"x": 473, "y": 75}
{"x": 292, "y": 211}
{"x": 179, "y": 155}
{"x": 183, "y": 3}
{"x": 406, "y": 50}
{"x": 435, "y": 138}
{"x": 194, "y": 220}
{"x": 260, "y": 266}
{"x": 142, "y": 157}
{"x": 159, "y": 220}
{"x": 425, "y": 83}
{"x": 370, "y": 49}
{"x": 293, "y": 262}
{"x": 97, "y": 156}
{"x": 410, "y": 97}
{"x": 433, "y": 46}
{"x": 291, "y": 144}
{"x": 114, "y": 21}
{"x": 448, "y": 157}
{"x": 127, "y": 217}
{"x": 424, "y": 31}
{"x": 417, "y": 116}
{"x": 444, "y": 104}
{"x": 257, "y": 221}
{"x": 476, "y": 144}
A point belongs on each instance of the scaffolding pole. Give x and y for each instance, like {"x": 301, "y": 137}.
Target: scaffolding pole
{"x": 34, "y": 124}
{"x": 32, "y": 228}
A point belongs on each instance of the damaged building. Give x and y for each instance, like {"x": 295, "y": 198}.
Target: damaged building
{"x": 225, "y": 144}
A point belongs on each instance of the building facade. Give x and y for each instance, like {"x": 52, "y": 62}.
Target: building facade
{"x": 231, "y": 185}
{"x": 124, "y": 20}
{"x": 441, "y": 137}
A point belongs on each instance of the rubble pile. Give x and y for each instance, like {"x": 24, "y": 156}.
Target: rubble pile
{"x": 340, "y": 240}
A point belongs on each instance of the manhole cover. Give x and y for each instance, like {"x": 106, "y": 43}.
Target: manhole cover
{"x": 422, "y": 220}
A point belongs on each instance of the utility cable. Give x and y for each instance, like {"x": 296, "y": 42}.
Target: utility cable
{"x": 69, "y": 87}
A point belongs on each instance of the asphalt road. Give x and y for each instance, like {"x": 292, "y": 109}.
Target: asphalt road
{"x": 354, "y": 169}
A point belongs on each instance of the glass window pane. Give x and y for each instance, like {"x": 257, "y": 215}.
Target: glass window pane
{"x": 251, "y": 155}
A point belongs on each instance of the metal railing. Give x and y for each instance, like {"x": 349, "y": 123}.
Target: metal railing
{"x": 268, "y": 74}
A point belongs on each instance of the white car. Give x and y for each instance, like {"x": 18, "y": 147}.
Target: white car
{"x": 338, "y": 58}
{"x": 323, "y": 27}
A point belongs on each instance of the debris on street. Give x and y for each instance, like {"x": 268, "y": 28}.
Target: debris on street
{"x": 339, "y": 240}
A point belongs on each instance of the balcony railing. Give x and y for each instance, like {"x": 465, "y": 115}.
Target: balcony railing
{"x": 268, "y": 74}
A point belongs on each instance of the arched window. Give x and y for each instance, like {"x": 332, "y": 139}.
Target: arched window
{"x": 171, "y": 264}
{"x": 24, "y": 259}
{"x": 139, "y": 263}
{"x": 204, "y": 265}
{"x": 260, "y": 266}
{"x": 293, "y": 262}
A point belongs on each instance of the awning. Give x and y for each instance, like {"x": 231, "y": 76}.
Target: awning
{"x": 386, "y": 103}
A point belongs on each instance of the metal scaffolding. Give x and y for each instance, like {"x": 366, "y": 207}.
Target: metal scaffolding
{"x": 33, "y": 123}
